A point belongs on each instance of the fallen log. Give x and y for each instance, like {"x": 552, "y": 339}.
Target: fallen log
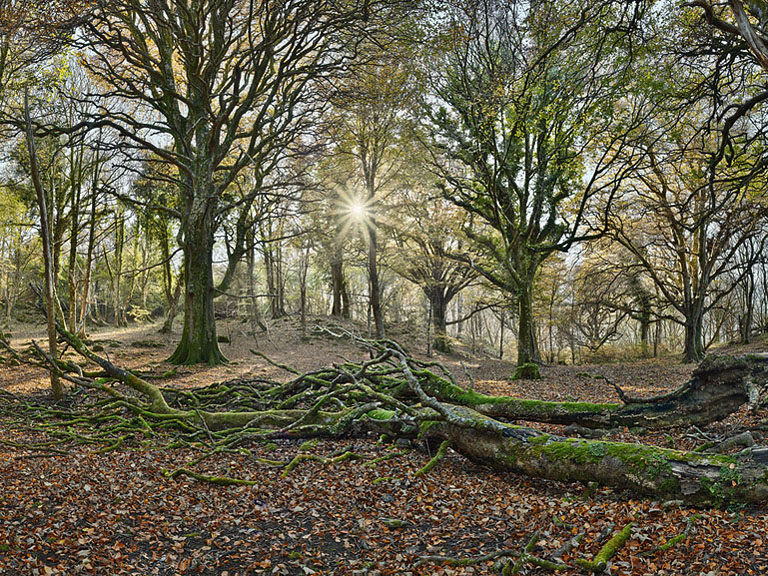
{"x": 720, "y": 386}
{"x": 660, "y": 473}
{"x": 395, "y": 394}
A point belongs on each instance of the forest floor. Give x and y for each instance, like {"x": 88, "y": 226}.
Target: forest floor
{"x": 86, "y": 511}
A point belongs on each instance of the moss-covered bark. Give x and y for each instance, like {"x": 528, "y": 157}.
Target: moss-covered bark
{"x": 657, "y": 472}
{"x": 719, "y": 387}
{"x": 199, "y": 343}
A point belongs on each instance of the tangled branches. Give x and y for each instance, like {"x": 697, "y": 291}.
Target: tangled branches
{"x": 395, "y": 394}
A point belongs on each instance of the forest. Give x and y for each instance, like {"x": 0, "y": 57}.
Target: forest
{"x": 383, "y": 287}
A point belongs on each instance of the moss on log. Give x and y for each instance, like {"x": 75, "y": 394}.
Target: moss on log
{"x": 718, "y": 388}
{"x": 695, "y": 478}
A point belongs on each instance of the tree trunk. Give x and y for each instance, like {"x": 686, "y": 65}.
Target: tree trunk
{"x": 45, "y": 234}
{"x": 439, "y": 323}
{"x": 340, "y": 304}
{"x": 719, "y": 387}
{"x": 663, "y": 474}
{"x": 527, "y": 346}
{"x": 199, "y": 343}
{"x": 303, "y": 269}
{"x": 72, "y": 264}
{"x": 459, "y": 313}
{"x": 253, "y": 306}
{"x": 749, "y": 297}
{"x": 171, "y": 294}
{"x": 273, "y": 269}
{"x": 118, "y": 267}
{"x": 373, "y": 281}
{"x": 694, "y": 341}
{"x": 645, "y": 330}
{"x": 89, "y": 255}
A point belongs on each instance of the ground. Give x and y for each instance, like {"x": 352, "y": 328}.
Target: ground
{"x": 86, "y": 511}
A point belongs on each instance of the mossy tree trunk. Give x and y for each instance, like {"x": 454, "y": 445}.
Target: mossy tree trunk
{"x": 527, "y": 343}
{"x": 199, "y": 342}
{"x": 718, "y": 388}
{"x": 694, "y": 342}
{"x": 659, "y": 473}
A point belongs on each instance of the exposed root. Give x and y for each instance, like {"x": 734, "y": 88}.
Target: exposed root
{"x": 444, "y": 445}
{"x": 682, "y": 537}
{"x": 608, "y": 551}
{"x": 348, "y": 455}
{"x": 526, "y": 556}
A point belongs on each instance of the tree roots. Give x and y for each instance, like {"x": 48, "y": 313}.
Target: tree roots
{"x": 399, "y": 396}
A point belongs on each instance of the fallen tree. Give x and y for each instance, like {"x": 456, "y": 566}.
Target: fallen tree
{"x": 719, "y": 386}
{"x": 395, "y": 394}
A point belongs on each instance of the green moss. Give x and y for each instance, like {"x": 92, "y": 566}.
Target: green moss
{"x": 308, "y": 446}
{"x": 426, "y": 425}
{"x": 529, "y": 371}
{"x": 608, "y": 551}
{"x": 380, "y": 414}
{"x": 450, "y": 392}
{"x": 444, "y": 445}
{"x": 540, "y": 440}
{"x": 218, "y": 480}
{"x": 383, "y": 479}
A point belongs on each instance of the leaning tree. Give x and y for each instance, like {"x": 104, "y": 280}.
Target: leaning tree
{"x": 212, "y": 87}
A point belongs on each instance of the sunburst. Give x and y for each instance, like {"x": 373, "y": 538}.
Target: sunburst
{"x": 355, "y": 212}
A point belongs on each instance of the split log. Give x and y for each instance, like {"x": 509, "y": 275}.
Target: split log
{"x": 718, "y": 387}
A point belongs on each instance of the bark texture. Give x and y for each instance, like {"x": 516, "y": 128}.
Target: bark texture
{"x": 718, "y": 388}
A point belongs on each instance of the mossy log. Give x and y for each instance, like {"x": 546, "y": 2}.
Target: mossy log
{"x": 718, "y": 388}
{"x": 664, "y": 474}
{"x": 397, "y": 395}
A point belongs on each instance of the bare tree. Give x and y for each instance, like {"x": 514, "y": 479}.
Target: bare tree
{"x": 212, "y": 87}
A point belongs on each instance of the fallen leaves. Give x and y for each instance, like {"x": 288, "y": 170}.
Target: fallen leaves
{"x": 115, "y": 513}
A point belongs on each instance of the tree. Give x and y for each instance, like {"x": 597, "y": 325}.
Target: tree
{"x": 682, "y": 228}
{"x": 226, "y": 84}
{"x": 427, "y": 240}
{"x": 369, "y": 128}
{"x": 527, "y": 130}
